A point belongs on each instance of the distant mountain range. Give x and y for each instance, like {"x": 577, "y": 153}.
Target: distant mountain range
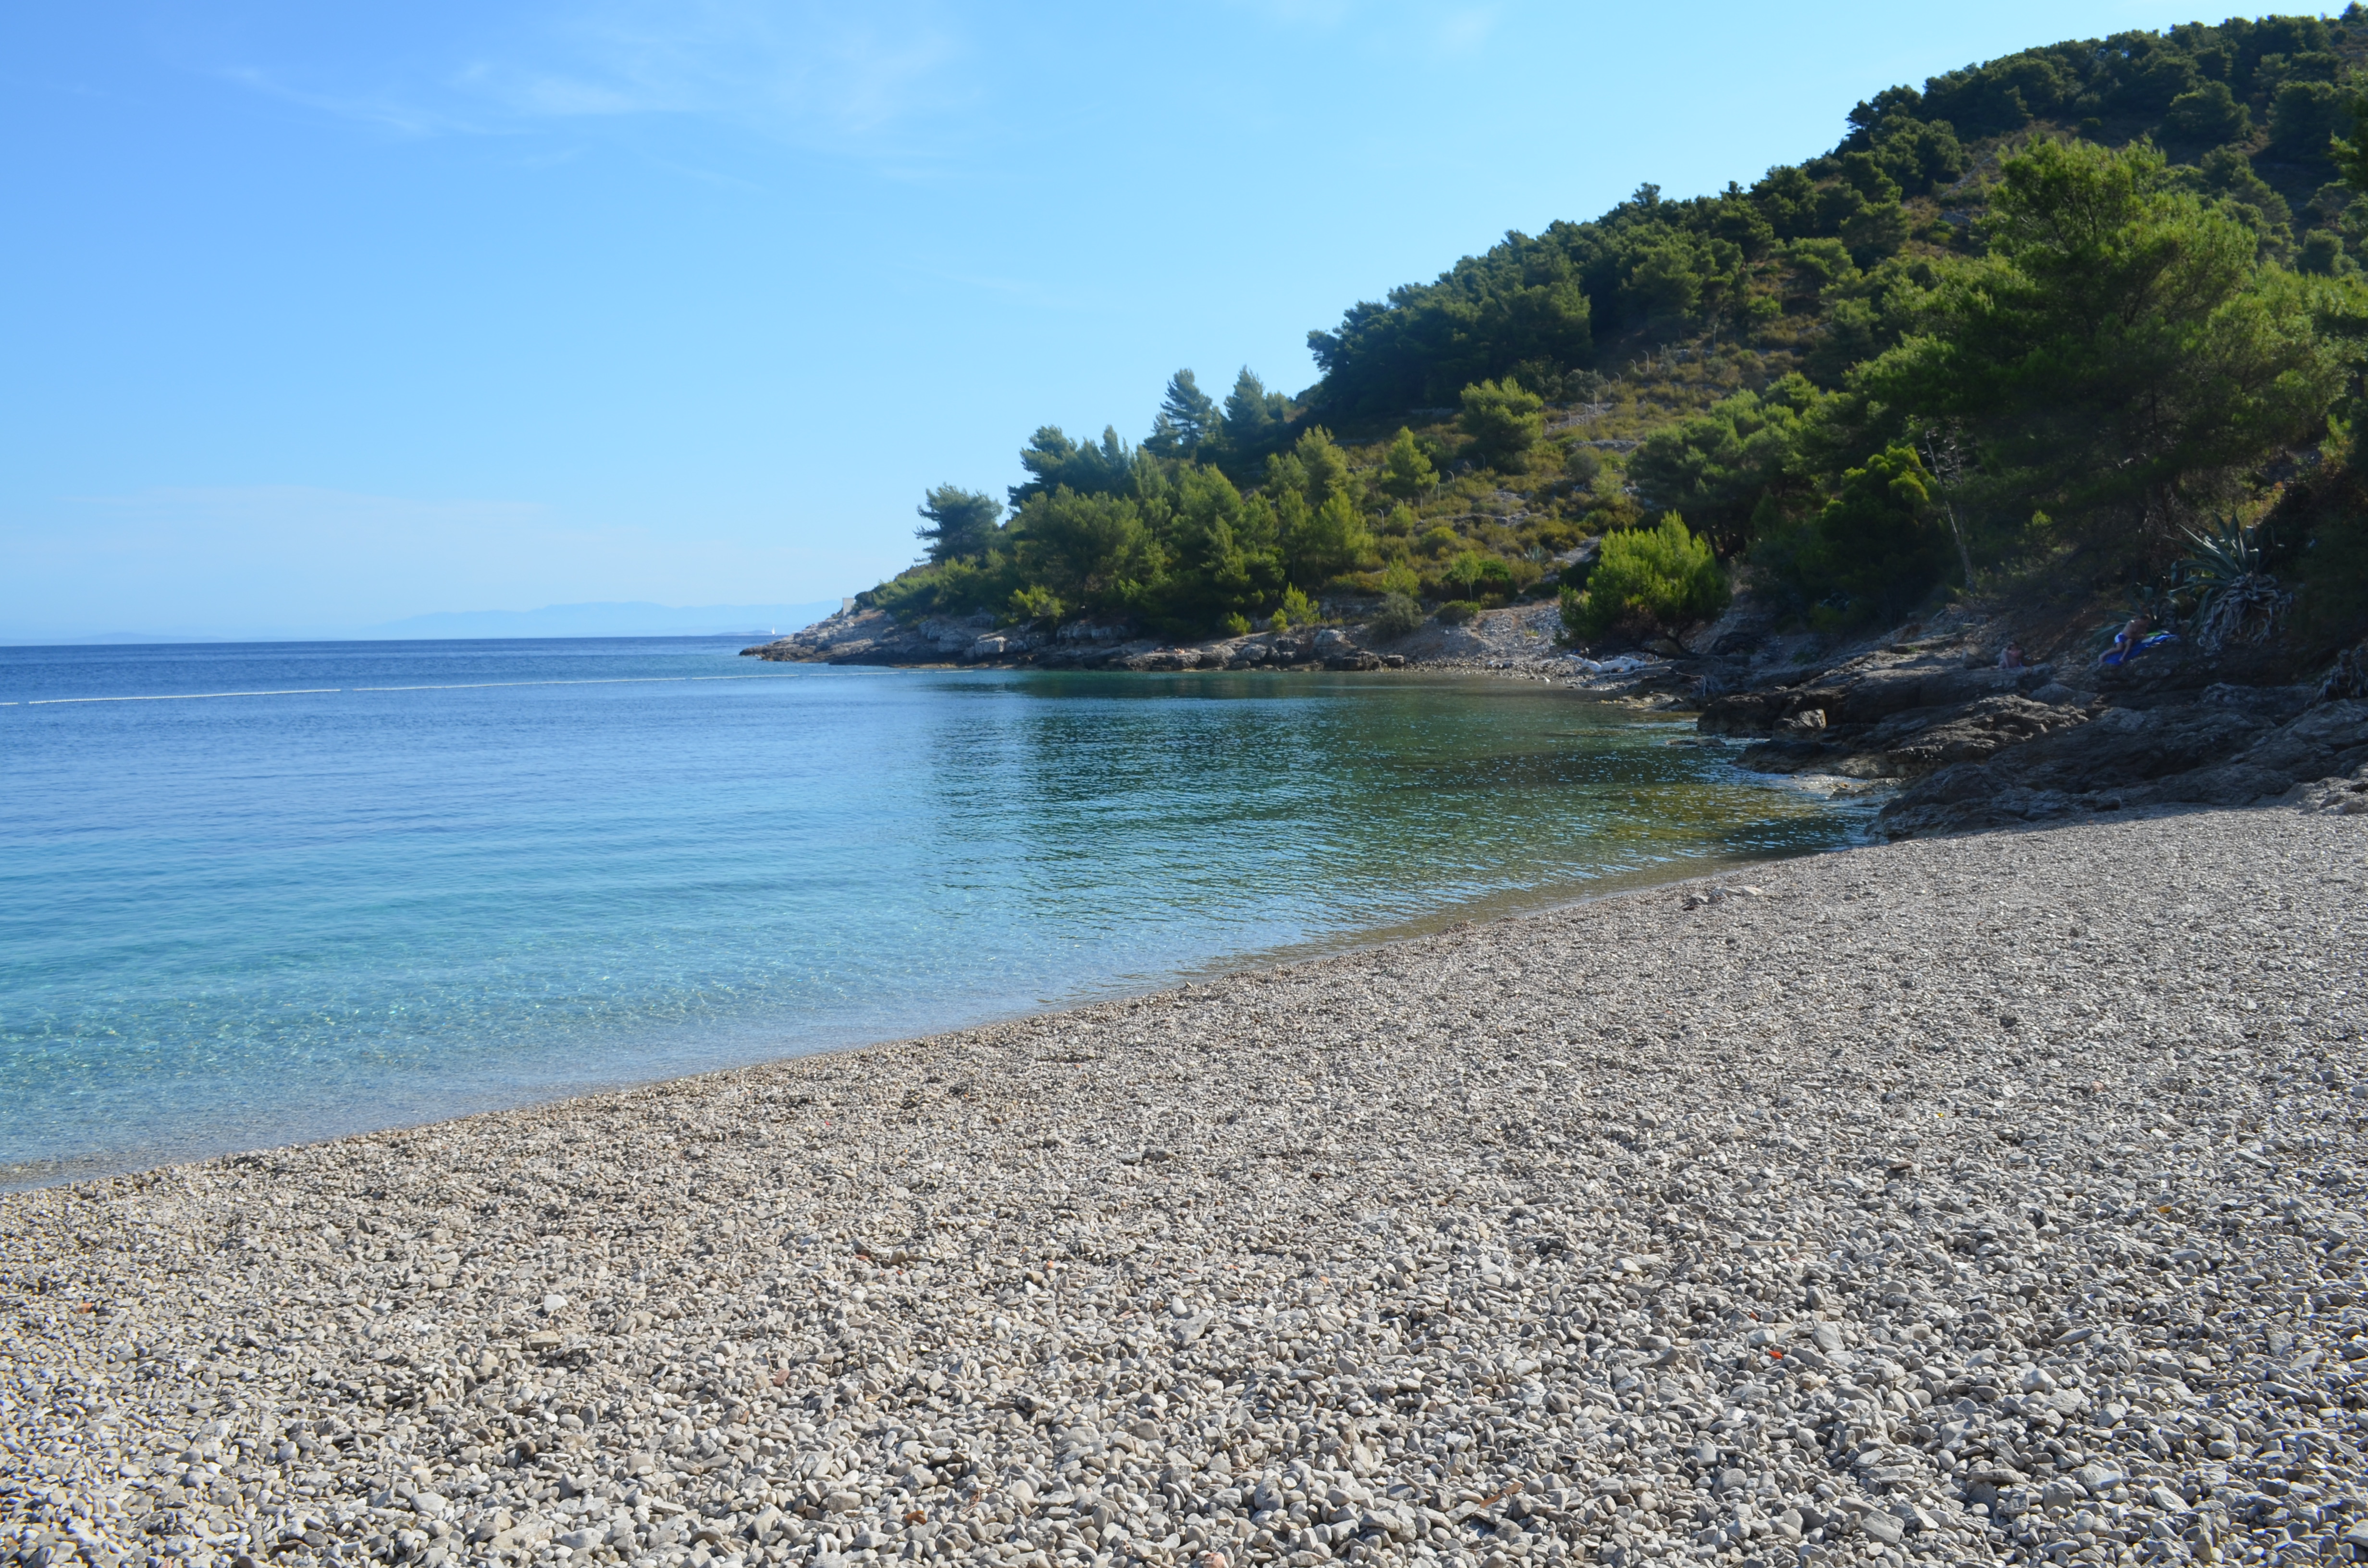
{"x": 630, "y": 619}
{"x": 608, "y": 620}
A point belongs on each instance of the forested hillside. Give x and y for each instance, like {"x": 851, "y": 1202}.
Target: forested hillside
{"x": 2045, "y": 320}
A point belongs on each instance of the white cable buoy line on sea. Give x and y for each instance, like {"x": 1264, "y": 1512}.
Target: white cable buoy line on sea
{"x": 596, "y": 680}
{"x": 184, "y": 696}
{"x": 339, "y": 690}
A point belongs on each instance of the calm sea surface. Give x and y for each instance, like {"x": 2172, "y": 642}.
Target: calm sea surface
{"x": 387, "y": 883}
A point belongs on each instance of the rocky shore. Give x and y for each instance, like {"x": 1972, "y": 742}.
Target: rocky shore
{"x": 1973, "y": 746}
{"x": 1974, "y": 1199}
{"x": 1927, "y": 712}
{"x": 1520, "y": 635}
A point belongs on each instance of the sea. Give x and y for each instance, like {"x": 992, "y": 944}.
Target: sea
{"x": 261, "y": 895}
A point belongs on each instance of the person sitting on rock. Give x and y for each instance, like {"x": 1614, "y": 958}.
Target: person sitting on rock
{"x": 2010, "y": 656}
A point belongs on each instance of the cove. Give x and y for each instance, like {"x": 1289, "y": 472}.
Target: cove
{"x": 261, "y": 895}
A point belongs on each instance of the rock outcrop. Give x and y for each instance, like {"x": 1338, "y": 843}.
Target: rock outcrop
{"x": 857, "y": 636}
{"x": 1891, "y": 715}
{"x": 873, "y": 637}
{"x": 2237, "y": 746}
{"x": 1987, "y": 747}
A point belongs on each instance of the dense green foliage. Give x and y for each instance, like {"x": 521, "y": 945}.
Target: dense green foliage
{"x": 1875, "y": 547}
{"x": 2272, "y": 93}
{"x": 1407, "y": 470}
{"x": 2066, "y": 301}
{"x": 1660, "y": 579}
{"x": 1717, "y": 467}
{"x": 2120, "y": 348}
{"x": 957, "y": 522}
{"x": 1505, "y": 421}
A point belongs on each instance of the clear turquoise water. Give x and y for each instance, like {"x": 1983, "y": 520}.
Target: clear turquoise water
{"x": 419, "y": 879}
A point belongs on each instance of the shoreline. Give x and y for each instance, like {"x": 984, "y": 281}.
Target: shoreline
{"x": 1926, "y": 709}
{"x": 1491, "y": 909}
{"x": 1486, "y": 907}
{"x": 2035, "y": 1154}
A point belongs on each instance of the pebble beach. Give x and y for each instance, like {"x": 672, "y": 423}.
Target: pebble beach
{"x": 1991, "y": 1199}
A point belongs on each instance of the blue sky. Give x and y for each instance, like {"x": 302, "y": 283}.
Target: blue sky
{"x": 319, "y": 317}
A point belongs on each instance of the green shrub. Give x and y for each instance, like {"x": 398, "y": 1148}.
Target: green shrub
{"x": 1658, "y": 579}
{"x": 1504, "y": 422}
{"x": 1296, "y": 610}
{"x": 1574, "y": 616}
{"x": 1237, "y": 624}
{"x": 1455, "y": 612}
{"x": 2208, "y": 115}
{"x": 1034, "y": 604}
{"x": 1400, "y": 615}
{"x": 1320, "y": 545}
{"x": 1876, "y": 548}
{"x": 950, "y": 587}
{"x": 1406, "y": 472}
{"x": 1477, "y": 574}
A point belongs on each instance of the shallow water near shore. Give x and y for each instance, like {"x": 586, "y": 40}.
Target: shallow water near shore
{"x": 257, "y": 894}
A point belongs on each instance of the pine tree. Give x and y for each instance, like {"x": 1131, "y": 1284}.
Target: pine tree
{"x": 958, "y": 523}
{"x": 1405, "y": 472}
{"x": 1254, "y": 416}
{"x": 1188, "y": 419}
{"x": 1504, "y": 422}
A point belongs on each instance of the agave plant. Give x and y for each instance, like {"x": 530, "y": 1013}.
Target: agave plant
{"x": 2236, "y": 600}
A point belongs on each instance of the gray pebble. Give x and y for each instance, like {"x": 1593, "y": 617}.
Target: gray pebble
{"x": 1630, "y": 1233}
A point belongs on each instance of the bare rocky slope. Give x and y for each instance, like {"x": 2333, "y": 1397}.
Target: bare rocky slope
{"x": 1987, "y": 1199}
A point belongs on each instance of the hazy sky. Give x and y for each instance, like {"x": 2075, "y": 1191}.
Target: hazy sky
{"x": 317, "y": 315}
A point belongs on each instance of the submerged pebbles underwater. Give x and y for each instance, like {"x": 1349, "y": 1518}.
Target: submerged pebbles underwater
{"x": 1994, "y": 1199}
